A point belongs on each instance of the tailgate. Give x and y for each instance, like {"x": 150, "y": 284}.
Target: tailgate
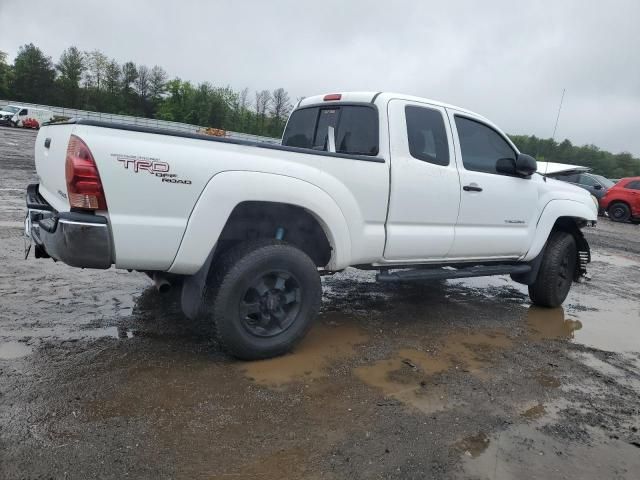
{"x": 50, "y": 157}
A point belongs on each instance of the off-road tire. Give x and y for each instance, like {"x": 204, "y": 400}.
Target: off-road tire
{"x": 232, "y": 275}
{"x": 619, "y": 212}
{"x": 556, "y": 272}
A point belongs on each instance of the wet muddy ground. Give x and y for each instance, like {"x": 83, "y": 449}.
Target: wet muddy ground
{"x": 102, "y": 377}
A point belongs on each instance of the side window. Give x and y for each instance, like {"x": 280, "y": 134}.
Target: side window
{"x": 635, "y": 185}
{"x": 427, "y": 135}
{"x": 24, "y": 111}
{"x": 481, "y": 146}
{"x": 587, "y": 180}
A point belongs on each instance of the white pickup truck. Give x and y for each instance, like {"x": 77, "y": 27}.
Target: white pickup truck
{"x": 413, "y": 188}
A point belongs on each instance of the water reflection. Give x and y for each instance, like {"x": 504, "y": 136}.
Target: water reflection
{"x": 550, "y": 323}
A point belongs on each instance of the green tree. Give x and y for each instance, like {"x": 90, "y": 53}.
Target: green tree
{"x": 128, "y": 78}
{"x": 112, "y": 76}
{"x": 280, "y": 108}
{"x": 602, "y": 162}
{"x": 71, "y": 67}
{"x": 157, "y": 84}
{"x": 33, "y": 75}
{"x": 142, "y": 86}
{"x": 5, "y": 74}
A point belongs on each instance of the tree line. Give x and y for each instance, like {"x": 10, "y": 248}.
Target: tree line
{"x": 93, "y": 81}
{"x": 605, "y": 163}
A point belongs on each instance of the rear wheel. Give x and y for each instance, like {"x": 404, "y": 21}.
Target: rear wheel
{"x": 619, "y": 212}
{"x": 264, "y": 296}
{"x": 556, "y": 271}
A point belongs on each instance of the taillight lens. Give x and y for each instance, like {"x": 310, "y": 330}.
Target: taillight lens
{"x": 83, "y": 181}
{"x": 332, "y": 97}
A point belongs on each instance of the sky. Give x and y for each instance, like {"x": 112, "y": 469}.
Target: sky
{"x": 506, "y": 60}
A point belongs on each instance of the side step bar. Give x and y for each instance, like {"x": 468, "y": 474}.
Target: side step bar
{"x": 443, "y": 273}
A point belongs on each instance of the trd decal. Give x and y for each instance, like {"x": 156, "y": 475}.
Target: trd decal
{"x": 151, "y": 165}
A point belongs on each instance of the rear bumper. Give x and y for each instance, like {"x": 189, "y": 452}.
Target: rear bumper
{"x": 77, "y": 239}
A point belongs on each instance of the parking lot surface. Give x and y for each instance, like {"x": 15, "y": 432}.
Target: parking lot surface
{"x": 102, "y": 377}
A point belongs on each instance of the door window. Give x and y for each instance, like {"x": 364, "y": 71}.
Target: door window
{"x": 635, "y": 185}
{"x": 23, "y": 112}
{"x": 481, "y": 146}
{"x": 427, "y": 135}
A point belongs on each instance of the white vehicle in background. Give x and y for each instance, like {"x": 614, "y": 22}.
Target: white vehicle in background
{"x": 23, "y": 116}
{"x": 410, "y": 187}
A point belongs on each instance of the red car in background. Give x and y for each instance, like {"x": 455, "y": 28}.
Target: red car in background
{"x": 622, "y": 201}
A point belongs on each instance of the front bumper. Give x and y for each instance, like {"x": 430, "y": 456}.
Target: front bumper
{"x": 77, "y": 239}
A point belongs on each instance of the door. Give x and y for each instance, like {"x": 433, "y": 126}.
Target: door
{"x": 591, "y": 184}
{"x": 425, "y": 188}
{"x": 22, "y": 116}
{"x": 496, "y": 210}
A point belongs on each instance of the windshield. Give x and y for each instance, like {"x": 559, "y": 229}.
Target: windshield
{"x": 9, "y": 109}
{"x": 605, "y": 181}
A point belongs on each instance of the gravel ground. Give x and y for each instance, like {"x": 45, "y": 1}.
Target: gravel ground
{"x": 102, "y": 377}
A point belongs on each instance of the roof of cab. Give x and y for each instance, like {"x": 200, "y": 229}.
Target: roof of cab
{"x": 377, "y": 98}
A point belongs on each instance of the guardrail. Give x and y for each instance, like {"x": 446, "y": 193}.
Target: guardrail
{"x": 140, "y": 121}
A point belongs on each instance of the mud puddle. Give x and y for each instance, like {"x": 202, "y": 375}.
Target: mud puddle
{"x": 523, "y": 451}
{"x": 13, "y": 350}
{"x": 534, "y": 412}
{"x": 409, "y": 376}
{"x": 473, "y": 445}
{"x": 333, "y": 338}
{"x": 612, "y": 326}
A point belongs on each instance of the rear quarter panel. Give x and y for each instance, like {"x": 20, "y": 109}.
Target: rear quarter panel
{"x": 149, "y": 216}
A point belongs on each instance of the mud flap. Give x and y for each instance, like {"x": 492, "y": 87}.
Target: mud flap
{"x": 193, "y": 290}
{"x": 530, "y": 277}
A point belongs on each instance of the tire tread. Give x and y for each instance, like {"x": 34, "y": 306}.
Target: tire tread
{"x": 225, "y": 272}
{"x": 543, "y": 291}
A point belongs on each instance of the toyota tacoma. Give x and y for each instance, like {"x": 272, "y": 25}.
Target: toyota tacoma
{"x": 412, "y": 188}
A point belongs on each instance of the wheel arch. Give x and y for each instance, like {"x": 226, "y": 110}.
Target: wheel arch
{"x": 566, "y": 215}
{"x": 228, "y": 191}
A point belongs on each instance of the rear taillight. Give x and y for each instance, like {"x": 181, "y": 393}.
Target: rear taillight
{"x": 83, "y": 181}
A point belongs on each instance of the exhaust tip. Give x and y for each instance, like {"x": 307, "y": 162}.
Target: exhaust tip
{"x": 162, "y": 284}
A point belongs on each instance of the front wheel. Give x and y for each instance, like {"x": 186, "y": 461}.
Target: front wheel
{"x": 556, "y": 271}
{"x": 264, "y": 296}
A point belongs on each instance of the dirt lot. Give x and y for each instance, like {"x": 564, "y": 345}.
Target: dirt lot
{"x": 102, "y": 377}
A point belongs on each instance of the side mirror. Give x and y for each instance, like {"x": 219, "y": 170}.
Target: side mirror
{"x": 522, "y": 166}
{"x": 597, "y": 187}
{"x": 506, "y": 166}
{"x": 526, "y": 165}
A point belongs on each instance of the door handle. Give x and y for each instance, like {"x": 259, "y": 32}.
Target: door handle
{"x": 472, "y": 188}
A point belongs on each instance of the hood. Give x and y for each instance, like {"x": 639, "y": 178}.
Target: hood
{"x": 551, "y": 168}
{"x": 558, "y": 190}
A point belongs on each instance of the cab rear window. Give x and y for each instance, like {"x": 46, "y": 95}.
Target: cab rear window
{"x": 355, "y": 127}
